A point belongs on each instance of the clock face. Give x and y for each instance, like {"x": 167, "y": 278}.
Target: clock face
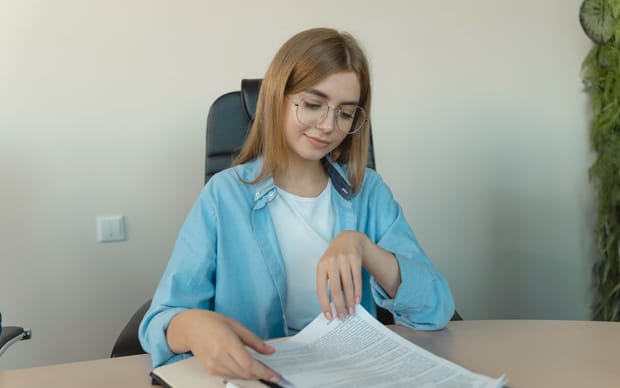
{"x": 597, "y": 20}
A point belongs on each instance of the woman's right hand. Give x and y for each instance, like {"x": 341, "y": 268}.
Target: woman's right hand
{"x": 218, "y": 342}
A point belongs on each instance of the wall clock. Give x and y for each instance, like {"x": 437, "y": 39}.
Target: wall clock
{"x": 597, "y": 20}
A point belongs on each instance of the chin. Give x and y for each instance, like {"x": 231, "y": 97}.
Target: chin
{"x": 313, "y": 155}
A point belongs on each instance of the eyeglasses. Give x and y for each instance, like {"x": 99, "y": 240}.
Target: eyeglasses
{"x": 349, "y": 118}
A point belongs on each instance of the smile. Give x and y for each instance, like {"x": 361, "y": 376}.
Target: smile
{"x": 317, "y": 142}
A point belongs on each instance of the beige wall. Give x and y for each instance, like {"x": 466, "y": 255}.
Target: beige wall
{"x": 480, "y": 128}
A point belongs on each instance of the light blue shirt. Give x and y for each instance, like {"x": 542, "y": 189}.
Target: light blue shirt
{"x": 227, "y": 259}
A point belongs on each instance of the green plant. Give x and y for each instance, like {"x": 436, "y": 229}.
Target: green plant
{"x": 600, "y": 20}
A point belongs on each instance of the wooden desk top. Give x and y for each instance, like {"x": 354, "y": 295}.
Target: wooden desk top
{"x": 132, "y": 371}
{"x": 530, "y": 353}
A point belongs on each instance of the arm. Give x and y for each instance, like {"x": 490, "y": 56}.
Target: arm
{"x": 423, "y": 299}
{"x": 382, "y": 265}
{"x": 403, "y": 280}
{"x": 188, "y": 281}
{"x": 180, "y": 319}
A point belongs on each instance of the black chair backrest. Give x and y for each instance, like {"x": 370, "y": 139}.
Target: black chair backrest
{"x": 227, "y": 125}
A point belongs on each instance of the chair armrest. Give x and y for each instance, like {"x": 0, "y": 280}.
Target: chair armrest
{"x": 12, "y": 334}
{"x": 128, "y": 343}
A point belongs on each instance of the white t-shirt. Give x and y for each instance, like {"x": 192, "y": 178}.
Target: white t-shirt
{"x": 304, "y": 227}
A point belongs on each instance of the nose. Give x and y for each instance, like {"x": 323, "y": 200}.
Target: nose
{"x": 328, "y": 122}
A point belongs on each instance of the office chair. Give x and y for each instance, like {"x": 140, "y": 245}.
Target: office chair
{"x": 228, "y": 122}
{"x": 11, "y": 334}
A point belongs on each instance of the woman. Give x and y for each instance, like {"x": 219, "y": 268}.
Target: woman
{"x": 298, "y": 217}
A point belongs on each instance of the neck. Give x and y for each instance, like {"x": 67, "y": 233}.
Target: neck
{"x": 306, "y": 179}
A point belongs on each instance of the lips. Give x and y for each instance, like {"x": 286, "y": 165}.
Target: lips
{"x": 317, "y": 142}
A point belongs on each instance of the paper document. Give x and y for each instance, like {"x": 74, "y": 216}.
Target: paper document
{"x": 361, "y": 352}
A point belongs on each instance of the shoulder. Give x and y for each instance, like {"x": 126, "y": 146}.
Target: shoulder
{"x": 242, "y": 172}
{"x": 373, "y": 184}
{"x": 233, "y": 182}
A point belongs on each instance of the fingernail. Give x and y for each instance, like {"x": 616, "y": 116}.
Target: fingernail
{"x": 341, "y": 316}
{"x": 351, "y": 312}
{"x": 275, "y": 379}
{"x": 328, "y": 315}
{"x": 358, "y": 300}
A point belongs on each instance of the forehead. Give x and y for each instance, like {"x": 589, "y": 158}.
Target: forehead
{"x": 338, "y": 88}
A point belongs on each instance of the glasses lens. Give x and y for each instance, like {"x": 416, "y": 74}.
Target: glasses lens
{"x": 311, "y": 112}
{"x": 350, "y": 119}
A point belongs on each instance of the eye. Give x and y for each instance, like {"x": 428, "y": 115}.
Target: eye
{"x": 312, "y": 105}
{"x": 346, "y": 114}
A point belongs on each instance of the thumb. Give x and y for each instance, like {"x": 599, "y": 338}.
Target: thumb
{"x": 250, "y": 339}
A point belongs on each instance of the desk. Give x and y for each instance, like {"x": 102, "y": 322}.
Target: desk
{"x": 531, "y": 353}
{"x": 132, "y": 371}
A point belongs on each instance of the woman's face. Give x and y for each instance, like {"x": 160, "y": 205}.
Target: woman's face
{"x": 312, "y": 141}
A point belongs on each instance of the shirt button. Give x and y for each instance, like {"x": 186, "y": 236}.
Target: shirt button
{"x": 271, "y": 194}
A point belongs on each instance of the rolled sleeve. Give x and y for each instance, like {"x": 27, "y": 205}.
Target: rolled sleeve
{"x": 411, "y": 296}
{"x": 423, "y": 300}
{"x": 154, "y": 340}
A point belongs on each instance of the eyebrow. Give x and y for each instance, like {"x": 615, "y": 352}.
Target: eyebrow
{"x": 319, "y": 93}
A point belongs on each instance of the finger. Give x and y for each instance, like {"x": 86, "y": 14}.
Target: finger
{"x": 249, "y": 364}
{"x": 250, "y": 339}
{"x": 250, "y": 368}
{"x": 357, "y": 284}
{"x": 336, "y": 289}
{"x": 223, "y": 359}
{"x": 236, "y": 366}
{"x": 346, "y": 278}
{"x": 321, "y": 291}
{"x": 262, "y": 372}
{"x": 216, "y": 367}
{"x": 234, "y": 361}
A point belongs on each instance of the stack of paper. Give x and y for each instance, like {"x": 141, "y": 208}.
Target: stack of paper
{"x": 356, "y": 352}
{"x": 362, "y": 352}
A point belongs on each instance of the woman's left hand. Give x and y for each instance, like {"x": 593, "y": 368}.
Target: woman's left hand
{"x": 341, "y": 268}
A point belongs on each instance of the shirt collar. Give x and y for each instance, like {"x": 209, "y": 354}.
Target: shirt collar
{"x": 336, "y": 172}
{"x": 337, "y": 175}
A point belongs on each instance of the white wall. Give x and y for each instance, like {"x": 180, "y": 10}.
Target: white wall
{"x": 479, "y": 120}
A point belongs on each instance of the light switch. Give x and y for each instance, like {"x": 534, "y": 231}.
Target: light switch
{"x": 110, "y": 228}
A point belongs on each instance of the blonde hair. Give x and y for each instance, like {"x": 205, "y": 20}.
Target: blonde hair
{"x": 303, "y": 61}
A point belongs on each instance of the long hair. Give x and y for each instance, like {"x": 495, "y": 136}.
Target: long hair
{"x": 303, "y": 61}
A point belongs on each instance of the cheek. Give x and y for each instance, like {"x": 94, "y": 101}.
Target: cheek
{"x": 292, "y": 129}
{"x": 337, "y": 142}
{"x": 291, "y": 125}
{"x": 340, "y": 137}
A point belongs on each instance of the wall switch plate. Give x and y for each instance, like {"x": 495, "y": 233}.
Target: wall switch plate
{"x": 111, "y": 228}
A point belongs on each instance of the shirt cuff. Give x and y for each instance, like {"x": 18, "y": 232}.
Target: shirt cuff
{"x": 160, "y": 352}
{"x": 414, "y": 295}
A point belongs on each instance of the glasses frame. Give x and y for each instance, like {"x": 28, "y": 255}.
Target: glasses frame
{"x": 337, "y": 109}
